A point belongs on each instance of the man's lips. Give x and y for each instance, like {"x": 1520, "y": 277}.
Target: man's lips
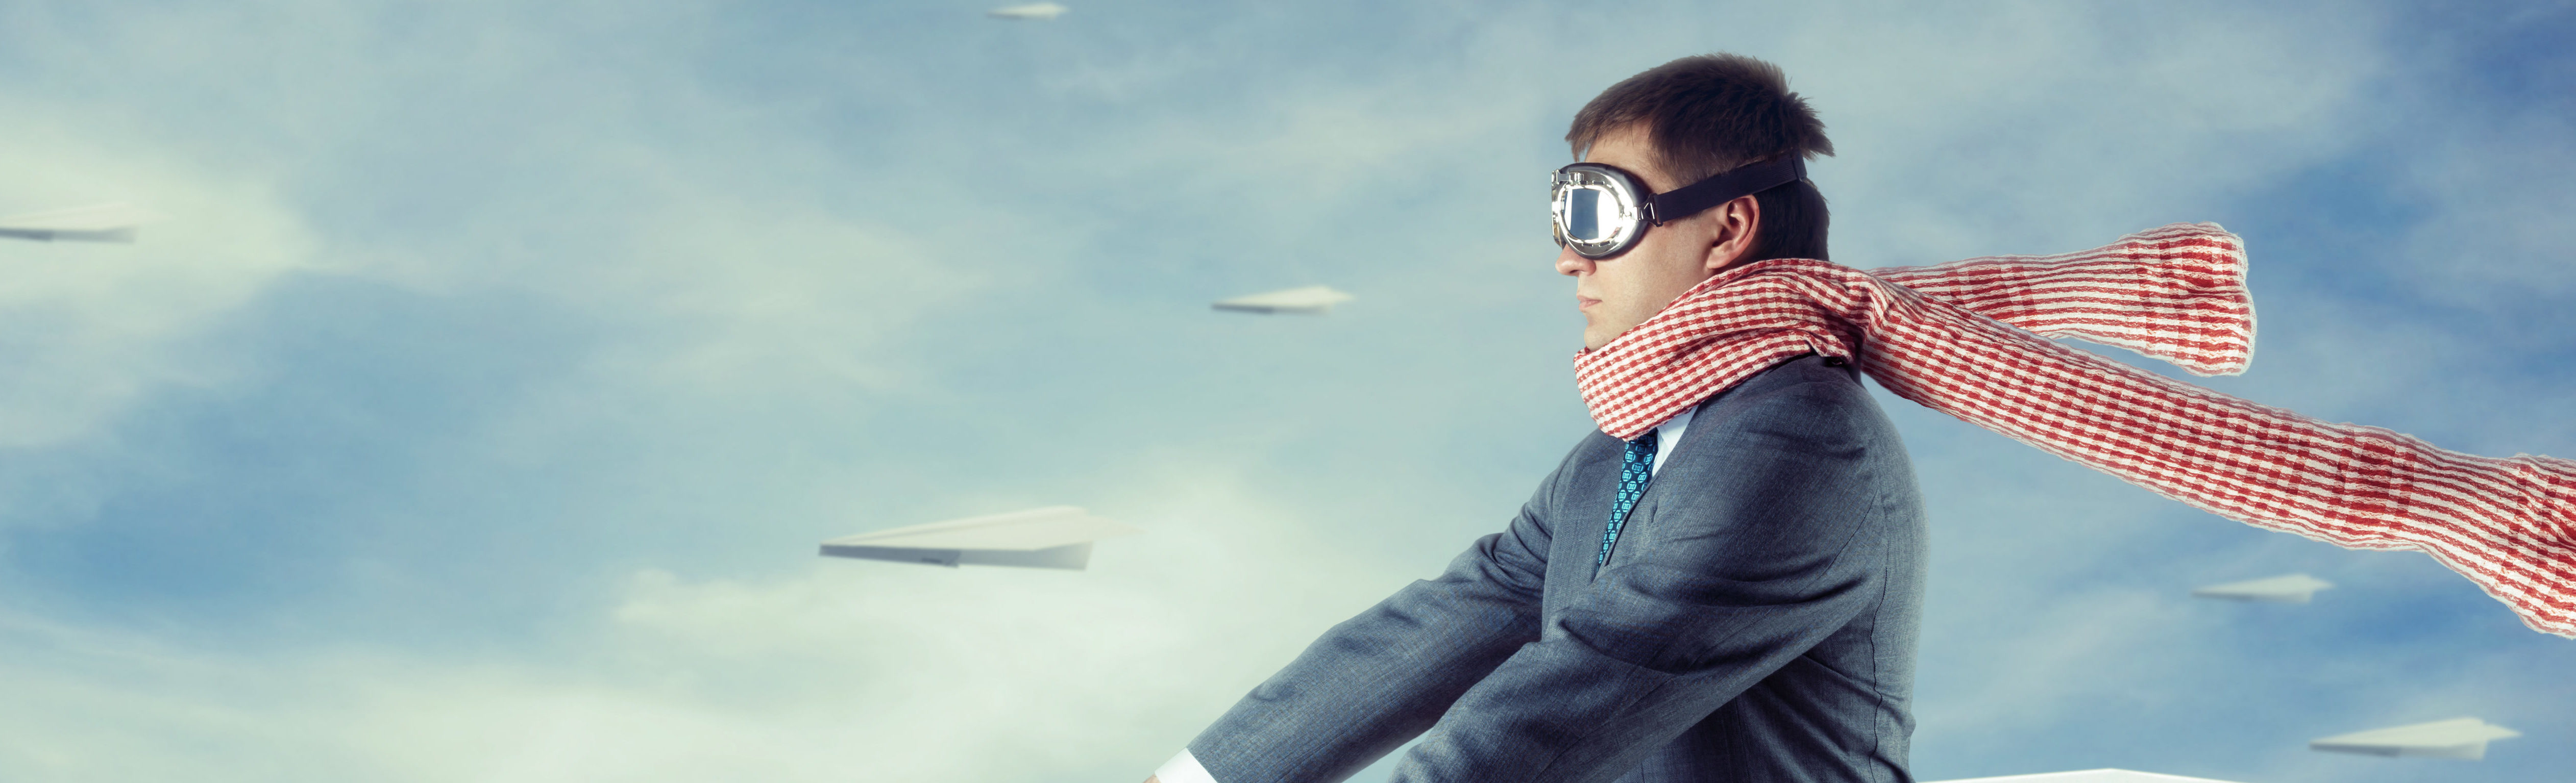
{"x": 1582, "y": 302}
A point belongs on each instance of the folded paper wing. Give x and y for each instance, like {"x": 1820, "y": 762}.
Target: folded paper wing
{"x": 2457, "y": 738}
{"x": 2090, "y": 776}
{"x": 1029, "y": 11}
{"x": 98, "y": 223}
{"x": 1052, "y": 537}
{"x": 2289, "y": 588}
{"x": 1310, "y": 299}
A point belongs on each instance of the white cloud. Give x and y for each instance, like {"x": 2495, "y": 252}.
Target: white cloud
{"x": 840, "y": 669}
{"x": 95, "y": 327}
{"x": 758, "y": 292}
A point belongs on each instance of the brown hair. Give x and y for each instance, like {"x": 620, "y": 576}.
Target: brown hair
{"x": 1708, "y": 114}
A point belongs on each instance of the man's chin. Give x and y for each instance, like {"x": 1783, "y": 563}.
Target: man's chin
{"x": 1597, "y": 335}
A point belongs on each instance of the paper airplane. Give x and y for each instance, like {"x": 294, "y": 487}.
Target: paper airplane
{"x": 2457, "y": 738}
{"x": 2090, "y": 776}
{"x": 1310, "y": 299}
{"x": 1051, "y": 537}
{"x": 2289, "y": 589}
{"x": 99, "y": 223}
{"x": 1030, "y": 11}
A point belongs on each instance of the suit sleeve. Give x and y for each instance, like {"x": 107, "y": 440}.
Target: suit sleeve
{"x": 1763, "y": 549}
{"x": 1381, "y": 678}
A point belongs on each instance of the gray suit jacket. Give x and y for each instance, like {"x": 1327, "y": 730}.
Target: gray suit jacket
{"x": 1756, "y": 621}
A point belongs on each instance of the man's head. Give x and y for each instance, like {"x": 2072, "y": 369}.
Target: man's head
{"x": 1677, "y": 124}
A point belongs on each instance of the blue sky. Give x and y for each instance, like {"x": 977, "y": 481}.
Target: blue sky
{"x": 475, "y": 411}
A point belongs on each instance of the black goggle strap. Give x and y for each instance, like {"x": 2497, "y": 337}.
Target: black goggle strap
{"x": 1746, "y": 180}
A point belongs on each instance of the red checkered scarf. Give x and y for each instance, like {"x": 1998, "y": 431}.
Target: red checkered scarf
{"x": 1968, "y": 339}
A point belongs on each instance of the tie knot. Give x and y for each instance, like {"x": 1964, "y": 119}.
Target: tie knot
{"x": 1643, "y": 448}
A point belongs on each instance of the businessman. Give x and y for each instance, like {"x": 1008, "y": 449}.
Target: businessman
{"x": 1718, "y": 588}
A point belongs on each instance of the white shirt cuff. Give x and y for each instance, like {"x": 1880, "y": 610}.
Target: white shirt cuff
{"x": 1183, "y": 768}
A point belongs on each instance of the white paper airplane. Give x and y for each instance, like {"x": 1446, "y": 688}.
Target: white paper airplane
{"x": 98, "y": 223}
{"x": 2457, "y": 738}
{"x": 2090, "y": 776}
{"x": 1030, "y": 11}
{"x": 1310, "y": 299}
{"x": 1051, "y": 537}
{"x": 2289, "y": 589}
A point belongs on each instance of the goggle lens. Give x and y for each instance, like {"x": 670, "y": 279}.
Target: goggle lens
{"x": 1582, "y": 215}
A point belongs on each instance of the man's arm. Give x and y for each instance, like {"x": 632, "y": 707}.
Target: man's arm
{"x": 1379, "y": 679}
{"x": 1766, "y": 545}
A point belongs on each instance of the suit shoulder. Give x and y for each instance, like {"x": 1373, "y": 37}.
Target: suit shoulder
{"x": 1803, "y": 421}
{"x": 1801, "y": 404}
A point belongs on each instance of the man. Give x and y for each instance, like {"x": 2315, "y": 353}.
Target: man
{"x": 1730, "y": 595}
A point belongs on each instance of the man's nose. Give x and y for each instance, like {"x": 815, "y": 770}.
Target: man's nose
{"x": 1570, "y": 263}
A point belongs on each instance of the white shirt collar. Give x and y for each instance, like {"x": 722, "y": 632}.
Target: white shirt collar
{"x": 1668, "y": 436}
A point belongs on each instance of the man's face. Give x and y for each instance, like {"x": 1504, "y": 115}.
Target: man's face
{"x": 1618, "y": 293}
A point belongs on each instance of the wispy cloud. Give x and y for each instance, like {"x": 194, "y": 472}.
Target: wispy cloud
{"x": 95, "y": 327}
{"x": 476, "y": 412}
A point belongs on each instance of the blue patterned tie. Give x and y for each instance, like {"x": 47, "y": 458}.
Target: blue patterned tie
{"x": 1636, "y": 467}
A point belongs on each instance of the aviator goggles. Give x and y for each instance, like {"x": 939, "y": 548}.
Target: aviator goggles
{"x": 1602, "y": 210}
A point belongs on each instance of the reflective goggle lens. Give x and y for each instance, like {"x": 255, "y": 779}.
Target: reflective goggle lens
{"x": 1595, "y": 214}
{"x": 1583, "y": 215}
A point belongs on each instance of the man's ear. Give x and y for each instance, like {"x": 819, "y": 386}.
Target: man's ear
{"x": 1738, "y": 222}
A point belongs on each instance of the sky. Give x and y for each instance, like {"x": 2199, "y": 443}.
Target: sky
{"x": 474, "y": 410}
